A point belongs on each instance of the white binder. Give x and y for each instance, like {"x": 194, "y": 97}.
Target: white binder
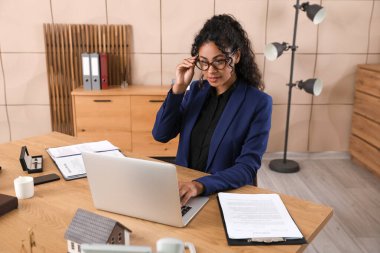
{"x": 86, "y": 71}
{"x": 95, "y": 71}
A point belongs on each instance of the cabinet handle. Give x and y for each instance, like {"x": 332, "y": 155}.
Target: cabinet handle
{"x": 83, "y": 130}
{"x": 156, "y": 100}
{"x": 102, "y": 100}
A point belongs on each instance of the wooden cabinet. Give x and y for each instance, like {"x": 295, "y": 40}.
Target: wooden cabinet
{"x": 125, "y": 117}
{"x": 365, "y": 135}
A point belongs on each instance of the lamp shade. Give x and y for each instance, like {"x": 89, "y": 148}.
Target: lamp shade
{"x": 313, "y": 86}
{"x": 315, "y": 12}
{"x": 274, "y": 50}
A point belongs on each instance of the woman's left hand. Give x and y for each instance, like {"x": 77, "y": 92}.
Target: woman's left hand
{"x": 188, "y": 190}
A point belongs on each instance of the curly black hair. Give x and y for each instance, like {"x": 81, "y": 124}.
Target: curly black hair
{"x": 229, "y": 36}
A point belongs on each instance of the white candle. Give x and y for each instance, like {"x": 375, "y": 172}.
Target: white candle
{"x": 24, "y": 187}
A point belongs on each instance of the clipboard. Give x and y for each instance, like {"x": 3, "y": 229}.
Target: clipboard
{"x": 250, "y": 242}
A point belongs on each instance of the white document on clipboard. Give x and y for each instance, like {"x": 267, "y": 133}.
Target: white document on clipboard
{"x": 69, "y": 159}
{"x": 260, "y": 217}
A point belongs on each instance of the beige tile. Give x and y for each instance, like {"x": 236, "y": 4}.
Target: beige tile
{"x": 373, "y": 59}
{"x": 144, "y": 17}
{"x": 181, "y": 21}
{"x": 280, "y": 26}
{"x": 330, "y": 128}
{"x": 345, "y": 29}
{"x": 2, "y": 87}
{"x": 4, "y": 129}
{"x": 338, "y": 75}
{"x": 374, "y": 38}
{"x": 298, "y": 128}
{"x": 251, "y": 15}
{"x": 29, "y": 120}
{"x": 146, "y": 69}
{"x": 277, "y": 74}
{"x": 169, "y": 64}
{"x": 79, "y": 11}
{"x": 26, "y": 78}
{"x": 21, "y": 28}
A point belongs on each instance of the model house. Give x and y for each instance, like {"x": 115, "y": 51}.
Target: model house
{"x": 87, "y": 227}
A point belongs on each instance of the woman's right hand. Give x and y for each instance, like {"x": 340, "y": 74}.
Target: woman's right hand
{"x": 184, "y": 75}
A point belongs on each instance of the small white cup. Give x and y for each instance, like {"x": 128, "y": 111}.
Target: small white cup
{"x": 24, "y": 187}
{"x": 173, "y": 245}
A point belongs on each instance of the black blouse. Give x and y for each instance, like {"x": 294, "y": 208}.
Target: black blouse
{"x": 205, "y": 126}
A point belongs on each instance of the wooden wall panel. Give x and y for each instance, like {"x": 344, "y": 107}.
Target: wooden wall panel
{"x": 64, "y": 44}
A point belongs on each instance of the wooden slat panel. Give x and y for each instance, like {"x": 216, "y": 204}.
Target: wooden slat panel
{"x": 64, "y": 44}
{"x": 365, "y": 153}
{"x": 368, "y": 82}
{"x": 56, "y": 78}
{"x": 48, "y": 48}
{"x": 367, "y": 106}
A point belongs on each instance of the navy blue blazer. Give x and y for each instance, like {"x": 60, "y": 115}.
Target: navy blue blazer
{"x": 239, "y": 140}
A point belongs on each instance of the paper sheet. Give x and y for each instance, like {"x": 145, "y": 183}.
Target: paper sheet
{"x": 79, "y": 148}
{"x": 257, "y": 216}
{"x": 73, "y": 165}
{"x": 69, "y": 159}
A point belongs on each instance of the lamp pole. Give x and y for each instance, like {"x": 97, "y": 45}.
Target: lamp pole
{"x": 284, "y": 165}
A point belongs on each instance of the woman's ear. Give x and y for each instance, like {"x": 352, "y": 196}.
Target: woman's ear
{"x": 237, "y": 56}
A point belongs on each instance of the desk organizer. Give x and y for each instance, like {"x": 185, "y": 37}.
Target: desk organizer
{"x": 31, "y": 164}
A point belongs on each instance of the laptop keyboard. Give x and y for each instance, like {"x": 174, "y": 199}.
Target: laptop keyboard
{"x": 185, "y": 209}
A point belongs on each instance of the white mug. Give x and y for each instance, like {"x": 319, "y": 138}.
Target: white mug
{"x": 24, "y": 187}
{"x": 173, "y": 245}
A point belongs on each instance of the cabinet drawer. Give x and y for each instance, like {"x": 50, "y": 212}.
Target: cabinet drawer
{"x": 367, "y": 106}
{"x": 366, "y": 129}
{"x": 368, "y": 82}
{"x": 144, "y": 110}
{"x": 143, "y": 143}
{"x": 102, "y": 113}
{"x": 365, "y": 153}
{"x": 122, "y": 140}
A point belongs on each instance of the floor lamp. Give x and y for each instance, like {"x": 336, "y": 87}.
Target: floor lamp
{"x": 315, "y": 13}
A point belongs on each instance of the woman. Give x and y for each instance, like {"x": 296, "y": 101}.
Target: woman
{"x": 224, "y": 118}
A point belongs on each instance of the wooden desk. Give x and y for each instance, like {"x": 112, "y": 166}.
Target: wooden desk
{"x": 53, "y": 206}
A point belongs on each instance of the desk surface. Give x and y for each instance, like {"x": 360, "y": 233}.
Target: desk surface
{"x": 54, "y": 204}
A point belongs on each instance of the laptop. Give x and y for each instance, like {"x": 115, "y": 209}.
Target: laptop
{"x": 139, "y": 188}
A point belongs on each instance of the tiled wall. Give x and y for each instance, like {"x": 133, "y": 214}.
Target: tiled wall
{"x": 163, "y": 31}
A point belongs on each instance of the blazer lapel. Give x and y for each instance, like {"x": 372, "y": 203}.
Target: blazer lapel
{"x": 196, "y": 107}
{"x": 232, "y": 106}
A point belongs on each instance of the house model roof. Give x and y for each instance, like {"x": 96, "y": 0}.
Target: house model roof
{"x": 88, "y": 227}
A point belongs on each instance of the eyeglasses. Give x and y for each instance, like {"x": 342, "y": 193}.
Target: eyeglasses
{"x": 218, "y": 64}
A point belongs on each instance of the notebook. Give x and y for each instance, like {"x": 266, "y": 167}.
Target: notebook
{"x": 138, "y": 188}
